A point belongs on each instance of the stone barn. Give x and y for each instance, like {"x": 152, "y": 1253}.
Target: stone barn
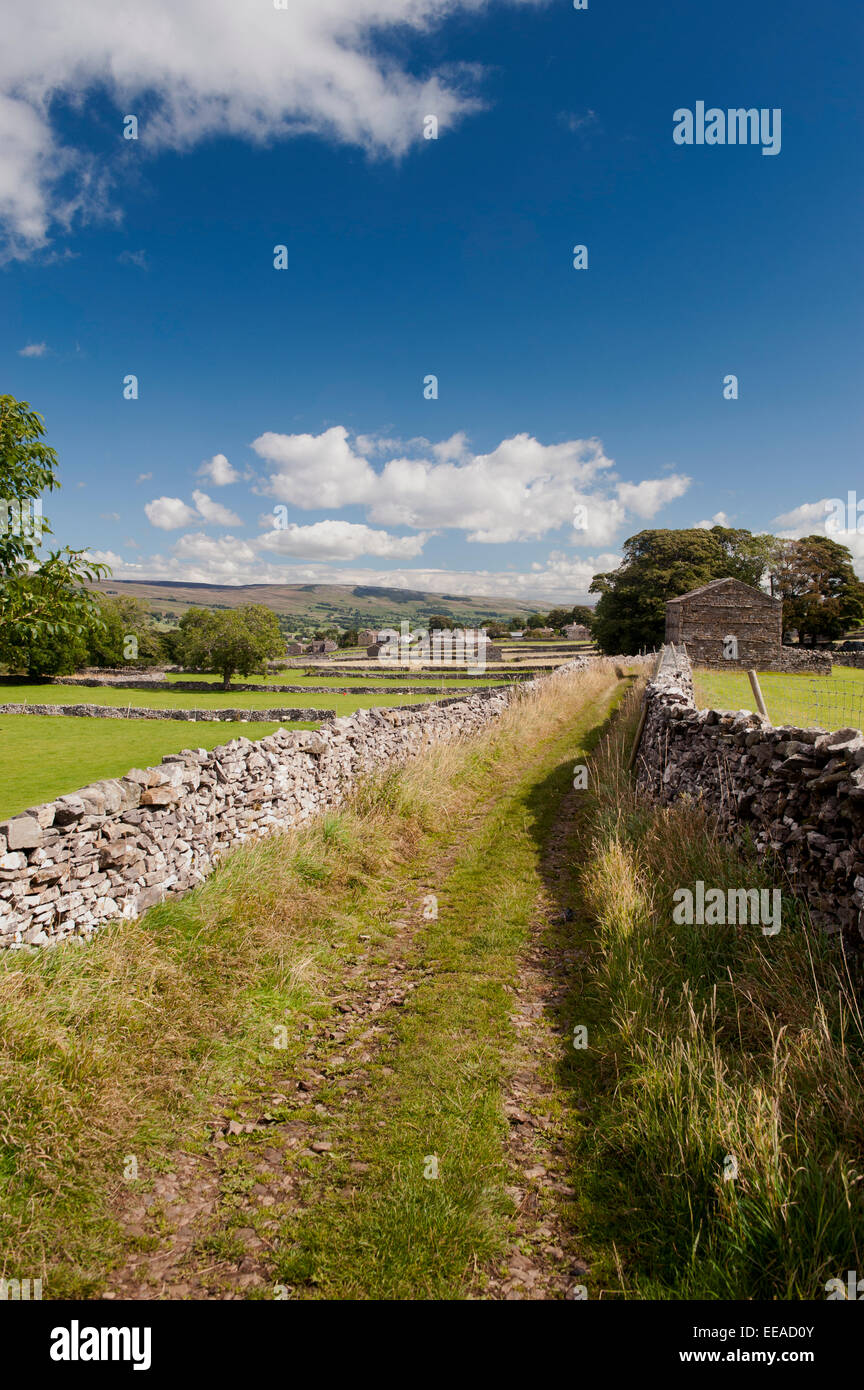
{"x": 705, "y": 617}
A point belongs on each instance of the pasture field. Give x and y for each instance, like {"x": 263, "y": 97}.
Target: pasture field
{"x": 341, "y": 680}
{"x": 805, "y": 700}
{"x": 48, "y": 756}
{"x": 208, "y": 699}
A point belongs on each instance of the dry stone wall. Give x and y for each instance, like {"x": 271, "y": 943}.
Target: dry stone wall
{"x": 226, "y": 716}
{"x": 115, "y": 848}
{"x": 201, "y": 687}
{"x": 799, "y": 793}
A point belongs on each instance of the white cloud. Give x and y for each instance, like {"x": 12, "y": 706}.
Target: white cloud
{"x": 718, "y": 519}
{"x": 208, "y": 68}
{"x": 117, "y": 564}
{"x": 339, "y": 540}
{"x": 808, "y": 519}
{"x": 33, "y": 350}
{"x": 170, "y": 513}
{"x": 221, "y": 556}
{"x": 520, "y": 491}
{"x": 645, "y": 499}
{"x": 219, "y": 471}
{"x": 315, "y": 470}
{"x": 830, "y": 517}
{"x": 138, "y": 258}
{"x": 143, "y": 477}
{"x": 201, "y": 559}
{"x": 214, "y": 511}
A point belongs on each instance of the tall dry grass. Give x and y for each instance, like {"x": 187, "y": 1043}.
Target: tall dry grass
{"x": 734, "y": 1053}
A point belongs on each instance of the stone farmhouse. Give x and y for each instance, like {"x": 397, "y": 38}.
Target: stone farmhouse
{"x": 576, "y": 632}
{"x": 703, "y": 619}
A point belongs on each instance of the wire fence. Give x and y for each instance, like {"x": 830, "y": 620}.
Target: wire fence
{"x": 805, "y": 701}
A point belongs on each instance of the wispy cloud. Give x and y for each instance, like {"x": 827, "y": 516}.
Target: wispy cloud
{"x": 33, "y": 350}
{"x": 138, "y": 258}
{"x": 262, "y": 74}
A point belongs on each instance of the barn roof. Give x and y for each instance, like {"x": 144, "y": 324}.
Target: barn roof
{"x": 719, "y": 583}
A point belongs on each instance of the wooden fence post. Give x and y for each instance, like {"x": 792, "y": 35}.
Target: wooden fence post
{"x": 757, "y": 693}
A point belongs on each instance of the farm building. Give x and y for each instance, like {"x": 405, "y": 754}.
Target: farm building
{"x": 576, "y": 632}
{"x": 706, "y": 617}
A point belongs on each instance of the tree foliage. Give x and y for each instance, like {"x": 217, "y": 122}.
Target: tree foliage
{"x": 234, "y": 640}
{"x": 44, "y": 605}
{"x": 822, "y": 597}
{"x": 814, "y": 577}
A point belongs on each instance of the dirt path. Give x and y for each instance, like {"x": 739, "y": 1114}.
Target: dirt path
{"x": 545, "y": 1261}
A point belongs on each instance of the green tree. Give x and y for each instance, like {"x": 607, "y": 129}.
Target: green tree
{"x": 743, "y": 555}
{"x": 43, "y": 601}
{"x": 235, "y": 640}
{"x": 657, "y": 565}
{"x": 58, "y": 654}
{"x": 440, "y": 622}
{"x": 822, "y": 597}
{"x": 557, "y": 617}
{"x": 124, "y": 635}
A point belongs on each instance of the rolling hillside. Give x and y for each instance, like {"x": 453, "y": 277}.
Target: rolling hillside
{"x": 320, "y": 604}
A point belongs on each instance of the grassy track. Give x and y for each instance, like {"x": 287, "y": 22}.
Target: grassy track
{"x": 439, "y": 1087}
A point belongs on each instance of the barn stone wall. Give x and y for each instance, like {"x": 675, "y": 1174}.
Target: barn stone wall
{"x": 703, "y": 619}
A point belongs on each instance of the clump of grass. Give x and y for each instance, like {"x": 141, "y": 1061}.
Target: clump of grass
{"x": 716, "y": 1044}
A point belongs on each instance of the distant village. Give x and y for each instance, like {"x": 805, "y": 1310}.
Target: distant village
{"x": 374, "y": 639}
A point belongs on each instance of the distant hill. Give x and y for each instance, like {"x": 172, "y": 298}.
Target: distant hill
{"x": 321, "y": 605}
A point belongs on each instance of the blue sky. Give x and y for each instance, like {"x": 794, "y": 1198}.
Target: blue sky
{"x": 557, "y": 388}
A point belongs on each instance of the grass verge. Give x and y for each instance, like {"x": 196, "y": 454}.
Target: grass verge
{"x": 713, "y": 1050}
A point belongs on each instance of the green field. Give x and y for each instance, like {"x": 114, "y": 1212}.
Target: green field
{"x": 807, "y": 701}
{"x": 208, "y": 699}
{"x": 45, "y": 756}
{"x": 344, "y": 680}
